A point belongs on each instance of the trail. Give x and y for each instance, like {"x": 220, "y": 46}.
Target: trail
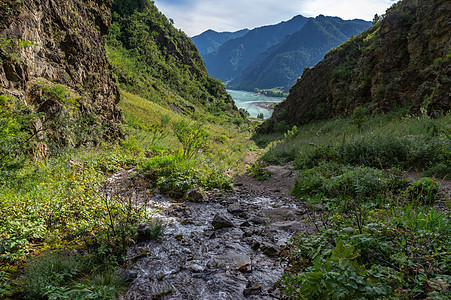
{"x": 225, "y": 247}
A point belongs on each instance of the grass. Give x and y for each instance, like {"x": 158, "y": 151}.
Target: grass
{"x": 381, "y": 236}
{"x": 51, "y": 207}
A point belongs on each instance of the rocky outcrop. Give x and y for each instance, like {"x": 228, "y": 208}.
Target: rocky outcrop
{"x": 404, "y": 60}
{"x": 52, "y": 57}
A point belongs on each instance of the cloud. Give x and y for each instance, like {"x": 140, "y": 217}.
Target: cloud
{"x": 196, "y": 16}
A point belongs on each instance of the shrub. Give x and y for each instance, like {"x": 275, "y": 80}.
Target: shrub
{"x": 50, "y": 270}
{"x": 400, "y": 253}
{"x": 423, "y": 191}
{"x": 257, "y": 171}
{"x": 192, "y": 137}
{"x": 341, "y": 184}
{"x": 176, "y": 174}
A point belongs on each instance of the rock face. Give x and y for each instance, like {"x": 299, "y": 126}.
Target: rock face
{"x": 51, "y": 52}
{"x": 404, "y": 60}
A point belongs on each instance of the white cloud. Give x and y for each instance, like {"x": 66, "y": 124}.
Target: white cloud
{"x": 196, "y": 16}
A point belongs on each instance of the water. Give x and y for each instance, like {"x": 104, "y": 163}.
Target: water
{"x": 247, "y": 101}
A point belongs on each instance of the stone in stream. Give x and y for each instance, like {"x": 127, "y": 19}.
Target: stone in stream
{"x": 270, "y": 249}
{"x": 220, "y": 221}
{"x": 196, "y": 194}
{"x": 253, "y": 290}
{"x": 232, "y": 261}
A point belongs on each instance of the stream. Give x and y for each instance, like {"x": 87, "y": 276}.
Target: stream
{"x": 222, "y": 246}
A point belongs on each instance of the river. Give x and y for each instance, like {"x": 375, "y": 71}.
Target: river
{"x": 247, "y": 101}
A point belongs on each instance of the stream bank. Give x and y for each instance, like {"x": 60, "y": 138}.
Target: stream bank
{"x": 223, "y": 246}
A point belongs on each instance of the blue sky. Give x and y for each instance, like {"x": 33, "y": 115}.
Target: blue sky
{"x": 196, "y": 16}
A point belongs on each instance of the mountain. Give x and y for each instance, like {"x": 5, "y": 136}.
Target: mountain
{"x": 404, "y": 60}
{"x": 233, "y": 56}
{"x": 153, "y": 59}
{"x": 281, "y": 65}
{"x": 53, "y": 61}
{"x": 211, "y": 40}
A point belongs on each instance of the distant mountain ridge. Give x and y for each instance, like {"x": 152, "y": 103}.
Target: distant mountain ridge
{"x": 403, "y": 61}
{"x": 274, "y": 56}
{"x": 280, "y": 66}
{"x": 210, "y": 40}
{"x": 233, "y": 56}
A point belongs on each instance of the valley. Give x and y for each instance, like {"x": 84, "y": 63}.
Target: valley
{"x": 128, "y": 171}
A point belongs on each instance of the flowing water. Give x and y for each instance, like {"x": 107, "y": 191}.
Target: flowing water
{"x": 225, "y": 246}
{"x": 249, "y": 101}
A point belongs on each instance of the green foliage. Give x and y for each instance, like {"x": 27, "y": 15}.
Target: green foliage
{"x": 176, "y": 174}
{"x": 192, "y": 137}
{"x": 16, "y": 138}
{"x": 153, "y": 59}
{"x": 358, "y": 117}
{"x": 423, "y": 191}
{"x": 257, "y": 171}
{"x": 56, "y": 276}
{"x": 260, "y": 116}
{"x": 386, "y": 257}
{"x": 345, "y": 187}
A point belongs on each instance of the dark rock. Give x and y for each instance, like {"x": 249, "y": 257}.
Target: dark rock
{"x": 129, "y": 275}
{"x": 319, "y": 207}
{"x": 144, "y": 232}
{"x": 258, "y": 220}
{"x": 245, "y": 224}
{"x": 254, "y": 290}
{"x": 235, "y": 208}
{"x": 270, "y": 249}
{"x": 220, "y": 221}
{"x": 196, "y": 194}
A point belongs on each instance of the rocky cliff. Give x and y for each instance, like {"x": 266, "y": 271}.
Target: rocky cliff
{"x": 52, "y": 57}
{"x": 404, "y": 60}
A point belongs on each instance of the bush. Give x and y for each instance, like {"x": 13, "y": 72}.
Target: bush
{"x": 356, "y": 184}
{"x": 256, "y": 170}
{"x": 176, "y": 174}
{"x": 57, "y": 276}
{"x": 423, "y": 191}
{"x": 50, "y": 270}
{"x": 192, "y": 137}
{"x": 400, "y": 253}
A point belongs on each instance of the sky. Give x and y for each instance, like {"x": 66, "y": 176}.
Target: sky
{"x": 196, "y": 16}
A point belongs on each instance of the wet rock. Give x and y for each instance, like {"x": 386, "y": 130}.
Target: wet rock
{"x": 220, "y": 221}
{"x": 194, "y": 266}
{"x": 258, "y": 220}
{"x": 196, "y": 194}
{"x": 245, "y": 224}
{"x": 270, "y": 249}
{"x": 128, "y": 275}
{"x": 144, "y": 232}
{"x": 231, "y": 261}
{"x": 253, "y": 290}
{"x": 235, "y": 208}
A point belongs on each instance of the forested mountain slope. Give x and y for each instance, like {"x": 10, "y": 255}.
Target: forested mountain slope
{"x": 153, "y": 59}
{"x": 232, "y": 57}
{"x": 210, "y": 40}
{"x": 281, "y": 65}
{"x": 404, "y": 60}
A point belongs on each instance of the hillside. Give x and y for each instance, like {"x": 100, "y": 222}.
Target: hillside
{"x": 280, "y": 66}
{"x": 153, "y": 59}
{"x": 232, "y": 57}
{"x": 402, "y": 61}
{"x": 53, "y": 61}
{"x": 210, "y": 40}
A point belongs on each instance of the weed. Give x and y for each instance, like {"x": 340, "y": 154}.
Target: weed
{"x": 257, "y": 171}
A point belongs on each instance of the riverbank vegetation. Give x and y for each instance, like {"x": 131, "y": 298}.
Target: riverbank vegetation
{"x": 65, "y": 230}
{"x": 381, "y": 232}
